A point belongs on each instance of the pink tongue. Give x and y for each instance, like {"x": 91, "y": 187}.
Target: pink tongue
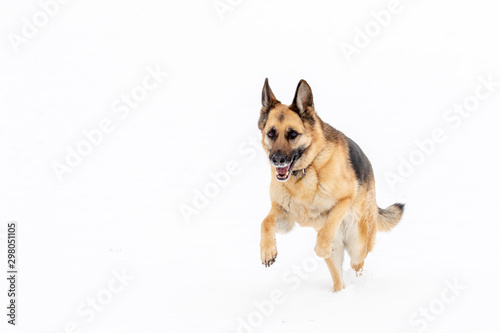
{"x": 282, "y": 171}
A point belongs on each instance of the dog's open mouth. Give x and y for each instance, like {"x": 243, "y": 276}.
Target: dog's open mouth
{"x": 282, "y": 174}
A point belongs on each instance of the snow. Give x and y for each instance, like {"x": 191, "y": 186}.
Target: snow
{"x": 119, "y": 210}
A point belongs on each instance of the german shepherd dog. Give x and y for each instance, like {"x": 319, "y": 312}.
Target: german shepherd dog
{"x": 320, "y": 179}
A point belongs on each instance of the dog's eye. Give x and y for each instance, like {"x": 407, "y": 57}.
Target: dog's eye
{"x": 271, "y": 134}
{"x": 292, "y": 135}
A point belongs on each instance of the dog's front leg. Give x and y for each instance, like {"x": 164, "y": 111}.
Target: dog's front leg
{"x": 326, "y": 234}
{"x": 268, "y": 251}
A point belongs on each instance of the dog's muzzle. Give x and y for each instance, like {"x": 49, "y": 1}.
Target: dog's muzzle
{"x": 283, "y": 165}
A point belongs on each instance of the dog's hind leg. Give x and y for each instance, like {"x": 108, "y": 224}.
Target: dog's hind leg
{"x": 359, "y": 241}
{"x": 334, "y": 263}
{"x": 357, "y": 250}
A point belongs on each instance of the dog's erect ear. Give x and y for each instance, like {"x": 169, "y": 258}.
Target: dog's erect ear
{"x": 303, "y": 101}
{"x": 268, "y": 102}
{"x": 268, "y": 98}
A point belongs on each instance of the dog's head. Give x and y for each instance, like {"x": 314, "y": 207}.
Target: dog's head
{"x": 289, "y": 133}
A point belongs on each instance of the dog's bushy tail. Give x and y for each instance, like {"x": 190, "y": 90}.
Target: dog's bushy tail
{"x": 389, "y": 217}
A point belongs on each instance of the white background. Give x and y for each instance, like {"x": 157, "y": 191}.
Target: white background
{"x": 120, "y": 208}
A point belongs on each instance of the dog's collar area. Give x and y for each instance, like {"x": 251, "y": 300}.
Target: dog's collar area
{"x": 299, "y": 173}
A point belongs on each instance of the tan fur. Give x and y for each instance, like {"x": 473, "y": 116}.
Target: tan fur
{"x": 328, "y": 199}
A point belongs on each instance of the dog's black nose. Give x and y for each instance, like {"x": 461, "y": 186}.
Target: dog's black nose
{"x": 278, "y": 158}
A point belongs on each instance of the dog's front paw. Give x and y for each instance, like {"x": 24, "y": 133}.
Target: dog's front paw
{"x": 268, "y": 252}
{"x": 323, "y": 251}
{"x": 338, "y": 286}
